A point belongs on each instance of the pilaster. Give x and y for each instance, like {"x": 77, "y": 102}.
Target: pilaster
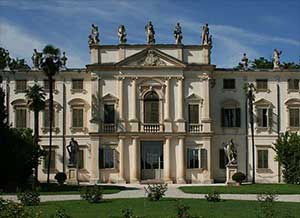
{"x": 180, "y": 178}
{"x": 135, "y": 163}
{"x": 121, "y": 164}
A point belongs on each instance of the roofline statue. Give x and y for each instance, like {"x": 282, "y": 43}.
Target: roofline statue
{"x": 150, "y": 33}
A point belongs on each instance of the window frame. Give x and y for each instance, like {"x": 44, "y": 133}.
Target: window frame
{"x": 78, "y": 107}
{"x": 189, "y": 114}
{"x": 23, "y": 89}
{"x": 236, "y": 117}
{"x": 201, "y": 162}
{"x": 261, "y": 163}
{"x": 293, "y": 82}
{"x": 75, "y": 89}
{"x": 102, "y": 165}
{"x": 45, "y": 161}
{"x": 262, "y": 89}
{"x": 21, "y": 107}
{"x": 289, "y": 114}
{"x": 155, "y": 101}
{"x": 227, "y": 82}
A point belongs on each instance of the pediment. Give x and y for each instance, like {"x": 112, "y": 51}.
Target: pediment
{"x": 293, "y": 101}
{"x": 150, "y": 57}
{"x": 194, "y": 97}
{"x": 263, "y": 102}
{"x": 109, "y": 97}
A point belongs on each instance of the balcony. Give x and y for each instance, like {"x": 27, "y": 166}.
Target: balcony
{"x": 109, "y": 127}
{"x": 195, "y": 128}
{"x": 152, "y": 127}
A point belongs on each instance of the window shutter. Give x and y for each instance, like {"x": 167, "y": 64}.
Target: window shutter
{"x": 265, "y": 159}
{"x": 116, "y": 159}
{"x": 270, "y": 116}
{"x": 101, "y": 157}
{"x": 290, "y": 84}
{"x": 259, "y": 117}
{"x": 238, "y": 117}
{"x": 222, "y": 117}
{"x": 203, "y": 158}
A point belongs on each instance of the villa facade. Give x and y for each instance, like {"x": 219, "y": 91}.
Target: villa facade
{"x": 158, "y": 112}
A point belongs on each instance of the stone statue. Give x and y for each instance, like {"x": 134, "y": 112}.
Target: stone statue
{"x": 63, "y": 60}
{"x": 245, "y": 61}
{"x": 122, "y": 34}
{"x": 276, "y": 59}
{"x": 73, "y": 150}
{"x": 36, "y": 59}
{"x": 150, "y": 33}
{"x": 178, "y": 34}
{"x": 210, "y": 40}
{"x": 205, "y": 35}
{"x": 230, "y": 152}
{"x": 94, "y": 36}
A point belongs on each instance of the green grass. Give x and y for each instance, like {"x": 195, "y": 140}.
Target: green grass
{"x": 166, "y": 208}
{"x": 244, "y": 189}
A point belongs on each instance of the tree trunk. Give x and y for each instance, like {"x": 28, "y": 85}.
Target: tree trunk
{"x": 50, "y": 127}
{"x": 36, "y": 140}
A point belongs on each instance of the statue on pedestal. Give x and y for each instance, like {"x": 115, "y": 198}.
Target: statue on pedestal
{"x": 205, "y": 35}
{"x": 150, "y": 33}
{"x": 276, "y": 59}
{"x": 245, "y": 61}
{"x": 94, "y": 36}
{"x": 63, "y": 60}
{"x": 178, "y": 34}
{"x": 73, "y": 149}
{"x": 122, "y": 34}
{"x": 36, "y": 59}
{"x": 231, "y": 152}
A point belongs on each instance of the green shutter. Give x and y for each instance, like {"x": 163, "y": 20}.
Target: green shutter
{"x": 238, "y": 117}
{"x": 270, "y": 116}
{"x": 203, "y": 158}
{"x": 222, "y": 117}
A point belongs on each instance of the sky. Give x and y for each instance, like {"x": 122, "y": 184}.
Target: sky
{"x": 254, "y": 27}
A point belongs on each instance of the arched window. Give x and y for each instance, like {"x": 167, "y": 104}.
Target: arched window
{"x": 151, "y": 107}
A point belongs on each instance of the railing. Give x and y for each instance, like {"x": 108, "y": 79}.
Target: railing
{"x": 152, "y": 127}
{"x": 109, "y": 128}
{"x": 195, "y": 128}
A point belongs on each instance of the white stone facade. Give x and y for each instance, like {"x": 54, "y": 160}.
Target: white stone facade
{"x": 180, "y": 75}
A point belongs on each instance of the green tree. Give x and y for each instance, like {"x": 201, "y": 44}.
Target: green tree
{"x": 36, "y": 102}
{"x": 3, "y": 111}
{"x": 287, "y": 149}
{"x": 290, "y": 65}
{"x": 261, "y": 63}
{"x": 13, "y": 63}
{"x": 50, "y": 66}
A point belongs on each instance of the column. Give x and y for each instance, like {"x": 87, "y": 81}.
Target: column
{"x": 121, "y": 163}
{"x": 94, "y": 162}
{"x": 135, "y": 162}
{"x": 180, "y": 178}
{"x": 167, "y": 119}
{"x": 134, "y": 120}
{"x": 167, "y": 160}
{"x": 121, "y": 124}
{"x": 95, "y": 126}
{"x": 206, "y": 120}
{"x": 180, "y": 117}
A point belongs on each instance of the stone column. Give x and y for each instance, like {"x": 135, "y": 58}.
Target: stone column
{"x": 134, "y": 120}
{"x": 180, "y": 178}
{"x": 135, "y": 163}
{"x": 121, "y": 156}
{"x": 167, "y": 160}
{"x": 167, "y": 119}
{"x": 180, "y": 95}
{"x": 94, "y": 161}
{"x": 121, "y": 124}
{"x": 206, "y": 120}
{"x": 95, "y": 126}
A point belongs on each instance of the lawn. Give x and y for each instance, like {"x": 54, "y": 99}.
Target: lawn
{"x": 166, "y": 208}
{"x": 244, "y": 189}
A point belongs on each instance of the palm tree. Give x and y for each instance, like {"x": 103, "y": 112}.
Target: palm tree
{"x": 50, "y": 65}
{"x": 36, "y": 102}
{"x": 249, "y": 90}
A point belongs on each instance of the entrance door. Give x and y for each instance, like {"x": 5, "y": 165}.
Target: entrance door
{"x": 152, "y": 160}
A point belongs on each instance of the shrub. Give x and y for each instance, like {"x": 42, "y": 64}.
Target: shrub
{"x": 128, "y": 213}
{"x": 29, "y": 198}
{"x": 156, "y": 191}
{"x": 267, "y": 197}
{"x": 60, "y": 213}
{"x": 60, "y": 178}
{"x": 239, "y": 177}
{"x": 92, "y": 194}
{"x": 213, "y": 197}
{"x": 267, "y": 209}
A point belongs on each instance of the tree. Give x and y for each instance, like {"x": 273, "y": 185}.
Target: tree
{"x": 290, "y": 65}
{"x": 249, "y": 90}
{"x": 3, "y": 112}
{"x": 36, "y": 102}
{"x": 13, "y": 63}
{"x": 50, "y": 65}
{"x": 287, "y": 149}
{"x": 261, "y": 63}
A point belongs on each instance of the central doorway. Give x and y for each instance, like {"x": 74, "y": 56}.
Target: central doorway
{"x": 152, "y": 162}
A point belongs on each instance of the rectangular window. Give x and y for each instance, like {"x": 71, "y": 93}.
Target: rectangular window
{"x": 293, "y": 84}
{"x": 46, "y": 84}
{"x": 21, "y": 117}
{"x": 81, "y": 159}
{"x": 47, "y": 118}
{"x": 151, "y": 112}
{"x": 262, "y": 159}
{"x": 261, "y": 84}
{"x": 109, "y": 113}
{"x": 294, "y": 117}
{"x": 52, "y": 162}
{"x": 106, "y": 158}
{"x": 223, "y": 161}
{"x": 262, "y": 117}
{"x": 77, "y": 117}
{"x": 77, "y": 84}
{"x": 228, "y": 83}
{"x": 203, "y": 158}
{"x": 193, "y": 113}
{"x": 21, "y": 85}
{"x": 192, "y": 158}
{"x": 231, "y": 117}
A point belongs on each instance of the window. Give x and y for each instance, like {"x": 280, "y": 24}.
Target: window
{"x": 193, "y": 113}
{"x": 106, "y": 157}
{"x": 81, "y": 159}
{"x": 196, "y": 158}
{"x": 294, "y": 117}
{"x": 228, "y": 83}
{"x": 47, "y": 118}
{"x": 262, "y": 159}
{"x": 231, "y": 117}
{"x": 46, "y": 84}
{"x": 264, "y": 117}
{"x": 21, "y": 85}
{"x": 151, "y": 108}
{"x": 223, "y": 160}
{"x": 109, "y": 113}
{"x": 261, "y": 84}
{"x": 52, "y": 162}
{"x": 293, "y": 84}
{"x": 77, "y": 84}
{"x": 21, "y": 117}
{"x": 77, "y": 117}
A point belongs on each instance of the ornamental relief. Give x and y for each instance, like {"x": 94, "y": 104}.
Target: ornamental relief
{"x": 152, "y": 59}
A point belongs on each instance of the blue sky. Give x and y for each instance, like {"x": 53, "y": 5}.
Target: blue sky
{"x": 254, "y": 26}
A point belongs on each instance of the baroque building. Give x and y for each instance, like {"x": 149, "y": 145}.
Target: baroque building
{"x": 158, "y": 112}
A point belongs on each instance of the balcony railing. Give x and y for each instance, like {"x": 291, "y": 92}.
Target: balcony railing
{"x": 109, "y": 127}
{"x": 152, "y": 127}
{"x": 195, "y": 128}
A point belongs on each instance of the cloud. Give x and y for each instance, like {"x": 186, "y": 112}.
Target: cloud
{"x": 20, "y": 43}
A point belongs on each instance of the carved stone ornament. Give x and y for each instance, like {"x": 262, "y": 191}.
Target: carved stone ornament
{"x": 152, "y": 59}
